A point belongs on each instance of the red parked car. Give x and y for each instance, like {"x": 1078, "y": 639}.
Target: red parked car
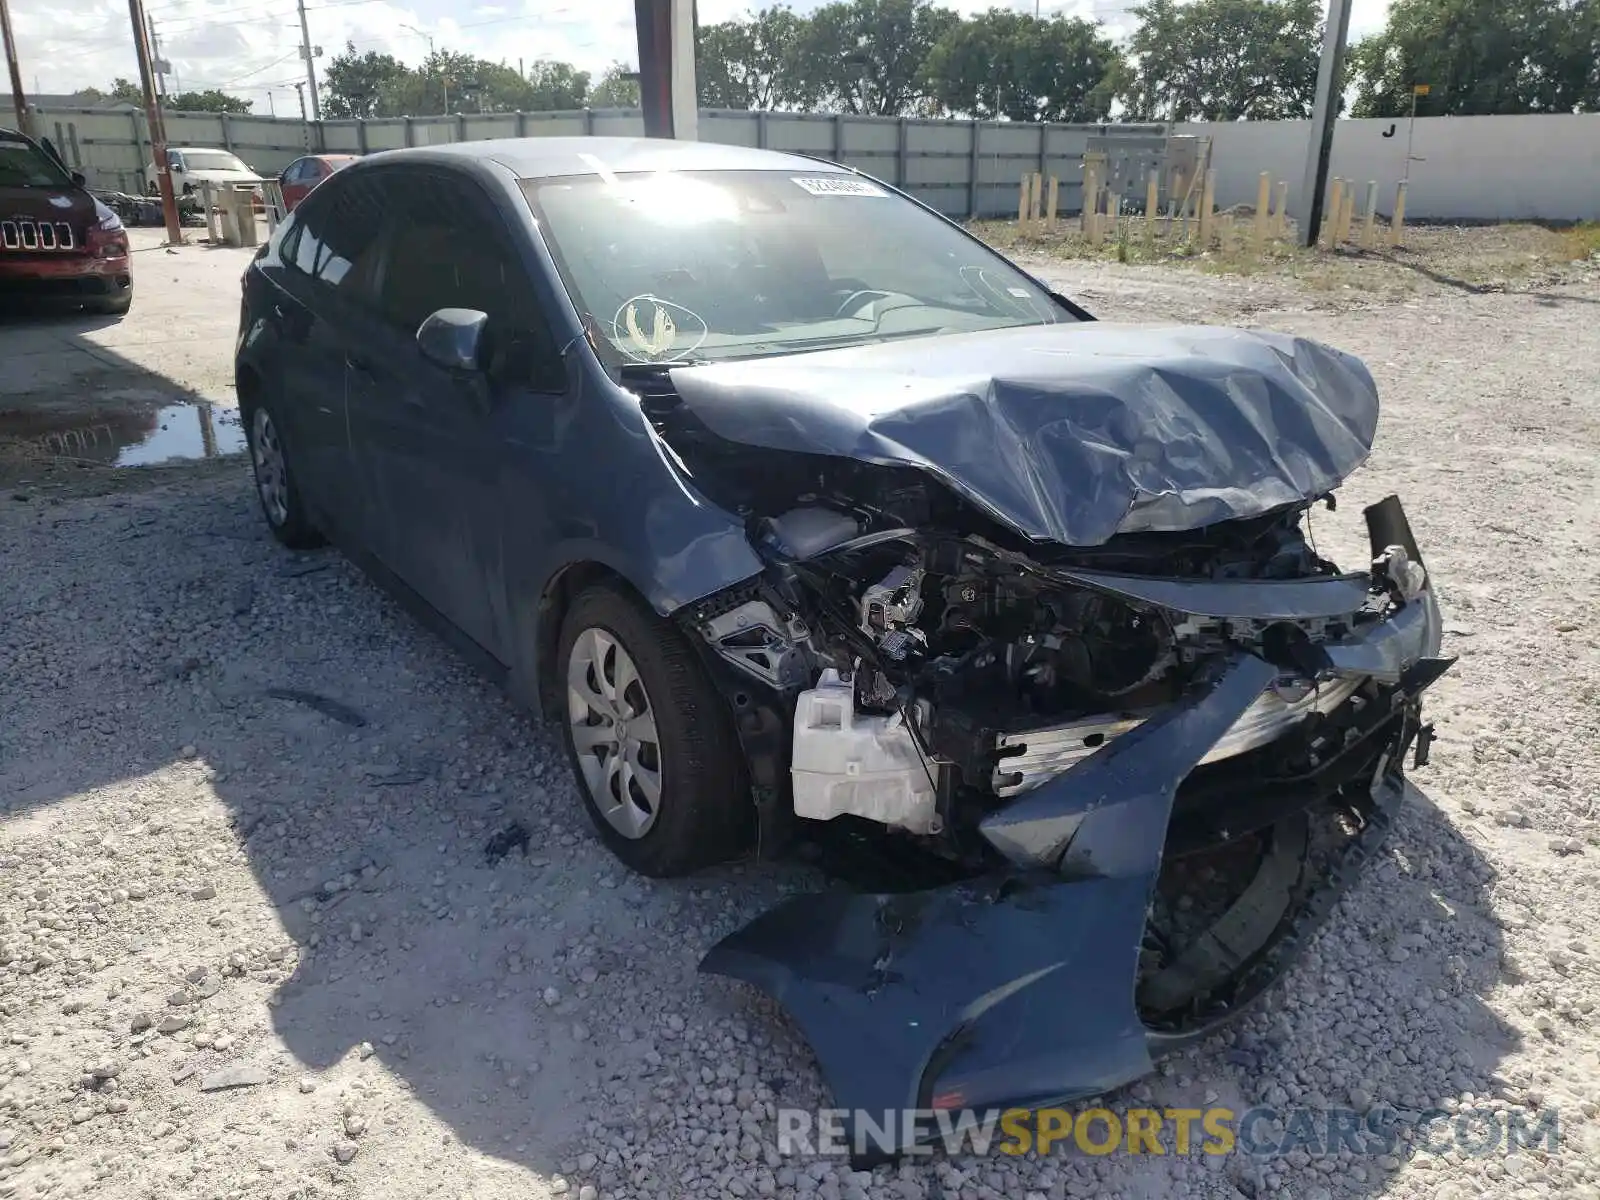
{"x": 303, "y": 174}
{"x": 56, "y": 240}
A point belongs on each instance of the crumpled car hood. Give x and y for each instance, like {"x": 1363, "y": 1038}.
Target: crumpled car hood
{"x": 1069, "y": 433}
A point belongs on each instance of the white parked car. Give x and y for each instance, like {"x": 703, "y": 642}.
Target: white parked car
{"x": 192, "y": 166}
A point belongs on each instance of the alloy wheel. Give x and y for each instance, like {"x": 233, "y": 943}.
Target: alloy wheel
{"x": 272, "y": 477}
{"x": 613, "y": 729}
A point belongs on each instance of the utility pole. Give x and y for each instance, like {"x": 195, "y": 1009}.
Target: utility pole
{"x": 444, "y": 80}
{"x": 158, "y": 131}
{"x": 159, "y": 63}
{"x": 311, "y": 66}
{"x": 17, "y": 97}
{"x": 666, "y": 34}
{"x": 1319, "y": 149}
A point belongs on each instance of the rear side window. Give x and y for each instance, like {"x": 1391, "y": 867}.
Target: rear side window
{"x": 339, "y": 241}
{"x": 450, "y": 249}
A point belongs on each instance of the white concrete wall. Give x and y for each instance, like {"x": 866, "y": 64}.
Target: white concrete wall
{"x": 1537, "y": 167}
{"x": 1473, "y": 168}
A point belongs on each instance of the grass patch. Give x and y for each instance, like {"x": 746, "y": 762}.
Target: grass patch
{"x": 1583, "y": 240}
{"x": 1476, "y": 258}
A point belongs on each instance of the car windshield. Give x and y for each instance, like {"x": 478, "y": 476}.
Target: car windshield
{"x": 720, "y": 265}
{"x": 211, "y": 160}
{"x": 25, "y": 165}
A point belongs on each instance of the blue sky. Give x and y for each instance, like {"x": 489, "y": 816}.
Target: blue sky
{"x": 251, "y": 49}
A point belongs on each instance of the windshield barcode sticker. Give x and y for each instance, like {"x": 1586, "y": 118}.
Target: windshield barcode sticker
{"x": 840, "y": 185}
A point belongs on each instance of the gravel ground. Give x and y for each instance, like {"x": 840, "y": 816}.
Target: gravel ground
{"x": 250, "y": 946}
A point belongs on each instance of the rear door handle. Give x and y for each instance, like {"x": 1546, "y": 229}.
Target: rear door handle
{"x": 357, "y": 363}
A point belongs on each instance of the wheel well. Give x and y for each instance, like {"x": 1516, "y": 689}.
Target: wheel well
{"x": 247, "y": 387}
{"x": 558, "y": 597}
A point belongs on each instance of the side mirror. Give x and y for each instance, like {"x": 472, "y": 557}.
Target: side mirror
{"x": 78, "y": 178}
{"x": 452, "y": 338}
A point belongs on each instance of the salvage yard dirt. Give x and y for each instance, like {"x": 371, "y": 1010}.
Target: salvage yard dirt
{"x": 251, "y": 944}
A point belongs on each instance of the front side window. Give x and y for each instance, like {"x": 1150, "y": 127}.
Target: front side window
{"x": 717, "y": 265}
{"x": 448, "y": 249}
{"x": 24, "y": 165}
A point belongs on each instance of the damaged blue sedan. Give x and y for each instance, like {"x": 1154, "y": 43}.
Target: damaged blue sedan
{"x": 816, "y": 523}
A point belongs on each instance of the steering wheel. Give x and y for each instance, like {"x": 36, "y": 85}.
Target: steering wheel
{"x": 851, "y": 299}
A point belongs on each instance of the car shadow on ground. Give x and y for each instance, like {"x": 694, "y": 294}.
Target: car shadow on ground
{"x": 230, "y": 701}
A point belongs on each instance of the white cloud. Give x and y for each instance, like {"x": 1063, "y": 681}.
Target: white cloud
{"x": 253, "y": 50}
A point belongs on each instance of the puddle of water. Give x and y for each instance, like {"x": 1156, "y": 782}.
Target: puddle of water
{"x": 126, "y": 438}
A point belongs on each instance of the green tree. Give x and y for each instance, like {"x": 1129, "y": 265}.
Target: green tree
{"x": 554, "y": 87}
{"x": 358, "y": 85}
{"x": 1223, "y": 60}
{"x": 460, "y": 83}
{"x": 1479, "y": 57}
{"x": 1009, "y": 64}
{"x": 751, "y": 64}
{"x": 211, "y": 101}
{"x": 615, "y": 89}
{"x": 868, "y": 56}
{"x": 124, "y": 91}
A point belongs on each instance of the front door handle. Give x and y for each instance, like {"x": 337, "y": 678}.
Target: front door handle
{"x": 357, "y": 363}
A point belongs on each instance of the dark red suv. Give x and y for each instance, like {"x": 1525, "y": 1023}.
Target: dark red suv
{"x": 57, "y": 241}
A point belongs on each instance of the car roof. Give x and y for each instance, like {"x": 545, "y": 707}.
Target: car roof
{"x": 547, "y": 157}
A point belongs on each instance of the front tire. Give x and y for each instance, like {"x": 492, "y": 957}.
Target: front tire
{"x": 276, "y": 489}
{"x": 651, "y": 742}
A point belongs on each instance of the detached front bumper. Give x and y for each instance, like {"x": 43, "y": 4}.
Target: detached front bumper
{"x": 1026, "y": 988}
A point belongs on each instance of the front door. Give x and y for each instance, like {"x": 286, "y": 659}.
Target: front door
{"x": 431, "y": 454}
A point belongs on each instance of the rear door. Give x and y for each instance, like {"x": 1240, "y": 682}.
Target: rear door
{"x": 432, "y": 458}
{"x": 321, "y": 306}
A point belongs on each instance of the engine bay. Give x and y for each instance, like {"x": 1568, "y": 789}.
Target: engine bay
{"x": 929, "y": 665}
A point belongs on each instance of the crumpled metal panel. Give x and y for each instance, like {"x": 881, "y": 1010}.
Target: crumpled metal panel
{"x": 1018, "y": 987}
{"x": 1069, "y": 433}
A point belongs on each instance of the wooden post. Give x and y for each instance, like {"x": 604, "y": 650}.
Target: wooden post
{"x": 1092, "y": 215}
{"x": 1397, "y": 224}
{"x": 1372, "y": 214}
{"x": 1022, "y": 203}
{"x": 1092, "y": 181}
{"x": 1347, "y": 213}
{"x": 1263, "y": 204}
{"x": 1283, "y": 208}
{"x": 1224, "y": 232}
{"x": 1152, "y": 197}
{"x": 1208, "y": 196}
{"x": 1330, "y": 224}
{"x": 1050, "y": 208}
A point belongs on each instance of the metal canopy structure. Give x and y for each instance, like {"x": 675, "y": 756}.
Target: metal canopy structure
{"x": 666, "y": 33}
